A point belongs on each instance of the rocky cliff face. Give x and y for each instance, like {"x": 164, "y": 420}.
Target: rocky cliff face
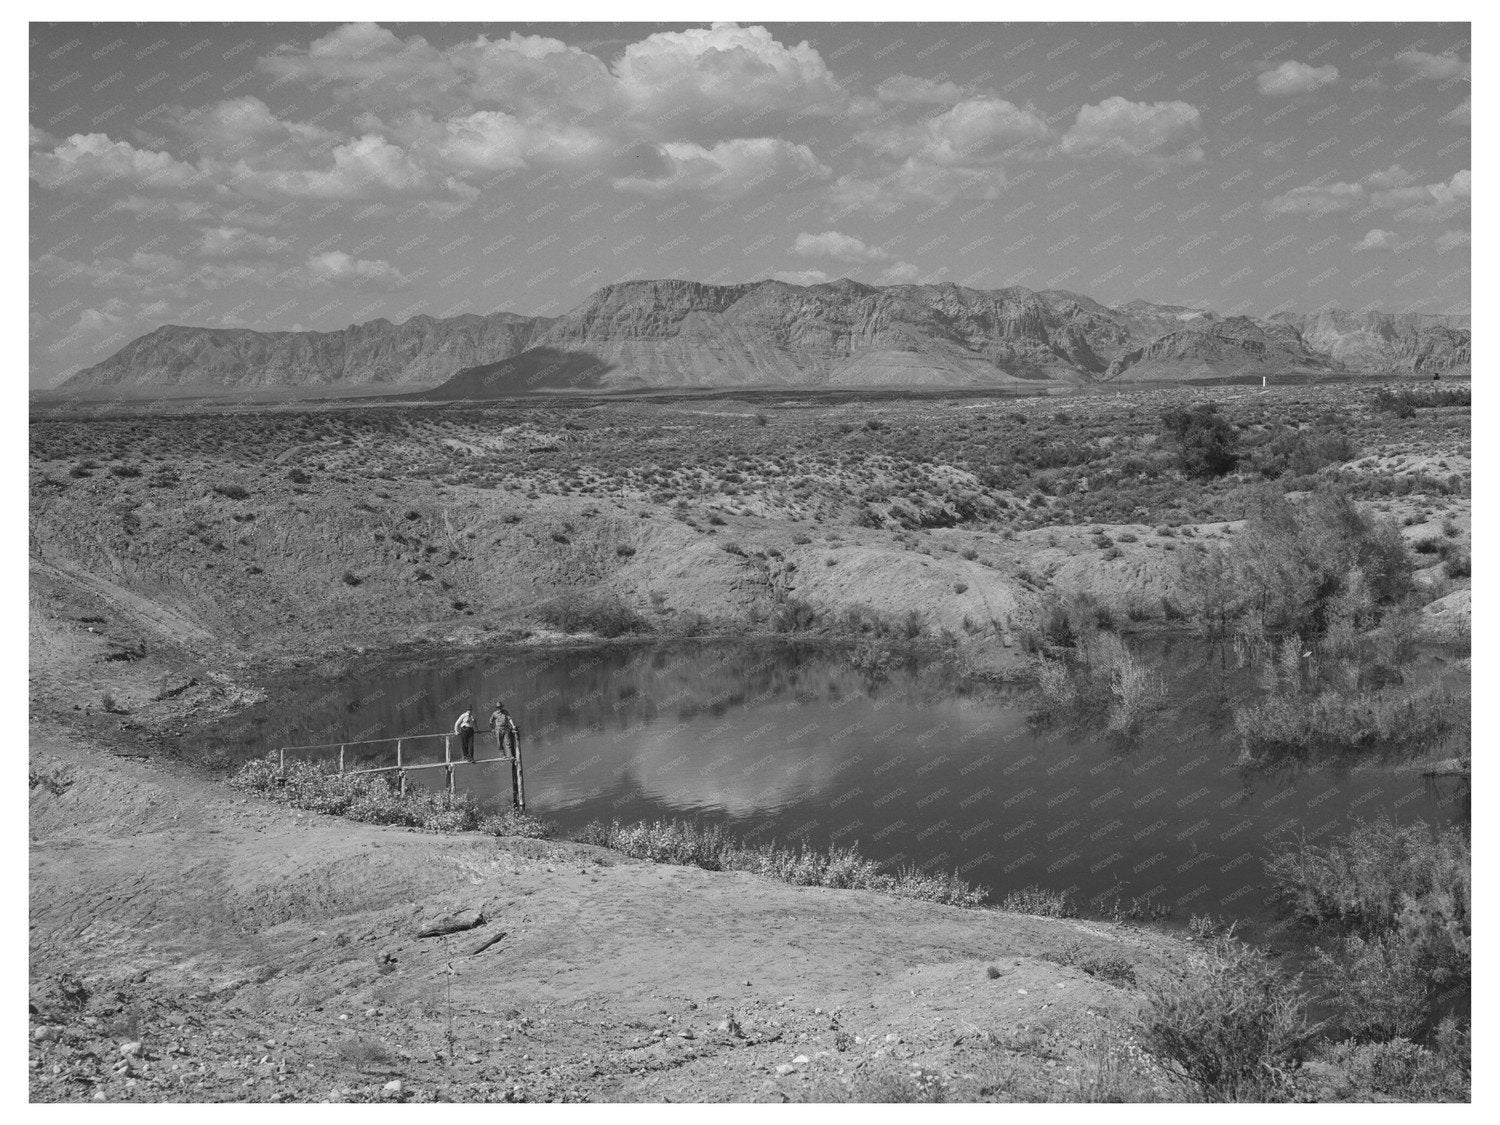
{"x": 423, "y": 350}
{"x": 1211, "y": 348}
{"x": 770, "y": 333}
{"x": 674, "y": 333}
{"x": 1377, "y": 341}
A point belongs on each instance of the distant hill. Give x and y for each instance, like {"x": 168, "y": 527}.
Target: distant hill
{"x": 422, "y": 350}
{"x": 840, "y": 334}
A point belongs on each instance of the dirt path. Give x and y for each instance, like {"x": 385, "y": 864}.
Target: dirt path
{"x": 258, "y": 953}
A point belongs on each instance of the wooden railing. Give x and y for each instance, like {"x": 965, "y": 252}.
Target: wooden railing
{"x": 517, "y": 775}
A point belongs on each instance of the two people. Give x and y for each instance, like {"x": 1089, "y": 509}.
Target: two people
{"x": 503, "y": 726}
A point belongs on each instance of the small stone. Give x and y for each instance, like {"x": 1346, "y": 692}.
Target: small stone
{"x": 47, "y": 1034}
{"x": 1022, "y": 991}
{"x": 392, "y": 1087}
{"x": 131, "y": 1048}
{"x": 784, "y": 1069}
{"x": 800, "y": 1060}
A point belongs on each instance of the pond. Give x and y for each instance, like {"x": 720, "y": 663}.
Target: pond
{"x": 794, "y": 744}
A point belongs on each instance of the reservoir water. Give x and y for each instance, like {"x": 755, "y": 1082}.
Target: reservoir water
{"x": 794, "y": 744}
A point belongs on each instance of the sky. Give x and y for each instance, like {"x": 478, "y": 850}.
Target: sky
{"x": 311, "y": 176}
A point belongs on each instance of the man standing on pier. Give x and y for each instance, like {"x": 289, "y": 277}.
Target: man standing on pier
{"x": 504, "y": 727}
{"x": 464, "y": 728}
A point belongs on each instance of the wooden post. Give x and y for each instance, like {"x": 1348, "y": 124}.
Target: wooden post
{"x": 283, "y": 761}
{"x": 517, "y": 781}
{"x": 398, "y": 756}
{"x": 403, "y": 783}
{"x": 450, "y": 781}
{"x": 341, "y": 758}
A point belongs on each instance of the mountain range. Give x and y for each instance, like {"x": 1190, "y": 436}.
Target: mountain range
{"x": 840, "y": 334}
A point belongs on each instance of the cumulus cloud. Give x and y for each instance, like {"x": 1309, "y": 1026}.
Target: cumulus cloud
{"x": 1427, "y": 202}
{"x": 722, "y": 69}
{"x": 973, "y": 132}
{"x": 900, "y": 273}
{"x": 1378, "y": 239}
{"x": 1436, "y": 68}
{"x": 903, "y": 89}
{"x": 336, "y": 267}
{"x": 232, "y": 241}
{"x": 726, "y": 170}
{"x": 1451, "y": 240}
{"x": 914, "y": 182}
{"x": 1458, "y": 115}
{"x": 491, "y": 140}
{"x": 91, "y": 162}
{"x": 801, "y": 277}
{"x": 1390, "y": 189}
{"x": 840, "y": 247}
{"x": 362, "y": 168}
{"x": 1293, "y": 77}
{"x": 1127, "y": 130}
{"x": 234, "y": 127}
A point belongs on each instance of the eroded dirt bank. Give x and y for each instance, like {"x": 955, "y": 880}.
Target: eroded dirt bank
{"x": 238, "y": 950}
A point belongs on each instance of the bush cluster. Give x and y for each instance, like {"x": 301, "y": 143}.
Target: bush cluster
{"x": 710, "y": 848}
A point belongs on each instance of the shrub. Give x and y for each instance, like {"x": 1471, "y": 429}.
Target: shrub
{"x": 604, "y": 615}
{"x": 1382, "y": 877}
{"x": 793, "y": 616}
{"x": 352, "y": 579}
{"x": 374, "y": 798}
{"x": 1297, "y": 566}
{"x": 1100, "y": 677}
{"x": 1290, "y": 723}
{"x": 692, "y": 845}
{"x": 1204, "y": 439}
{"x": 1399, "y": 1069}
{"x": 1040, "y": 901}
{"x": 1229, "y": 1023}
{"x": 232, "y": 491}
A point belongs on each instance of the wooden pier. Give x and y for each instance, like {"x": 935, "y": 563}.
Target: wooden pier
{"x": 402, "y": 767}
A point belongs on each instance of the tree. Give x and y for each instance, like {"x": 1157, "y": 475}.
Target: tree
{"x": 1205, "y": 440}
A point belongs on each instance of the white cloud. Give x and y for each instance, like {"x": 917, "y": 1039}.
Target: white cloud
{"x": 900, "y": 273}
{"x": 1379, "y": 240}
{"x": 233, "y": 241}
{"x": 1426, "y": 202}
{"x": 1437, "y": 68}
{"x": 840, "y": 247}
{"x": 91, "y": 161}
{"x": 913, "y": 182}
{"x": 362, "y": 168}
{"x": 975, "y": 131}
{"x": 726, "y": 170}
{"x": 1293, "y": 77}
{"x": 1451, "y": 240}
{"x": 903, "y": 89}
{"x": 801, "y": 277}
{"x": 1458, "y": 115}
{"x": 725, "y": 68}
{"x": 1127, "y": 130}
{"x": 336, "y": 267}
{"x": 1390, "y": 189}
{"x": 491, "y": 140}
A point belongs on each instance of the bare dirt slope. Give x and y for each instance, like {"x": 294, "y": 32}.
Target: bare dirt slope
{"x": 257, "y": 953}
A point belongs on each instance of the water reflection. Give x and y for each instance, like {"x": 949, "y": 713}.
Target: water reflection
{"x": 791, "y": 742}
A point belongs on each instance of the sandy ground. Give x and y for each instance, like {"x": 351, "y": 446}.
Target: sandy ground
{"x": 190, "y": 944}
